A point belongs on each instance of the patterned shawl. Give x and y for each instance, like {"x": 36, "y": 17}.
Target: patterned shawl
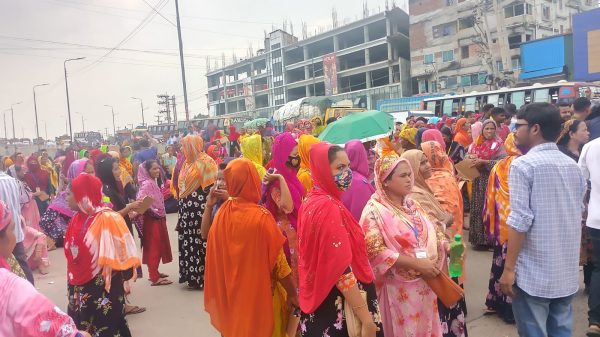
{"x": 199, "y": 170}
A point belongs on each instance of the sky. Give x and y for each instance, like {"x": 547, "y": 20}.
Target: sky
{"x": 131, "y": 50}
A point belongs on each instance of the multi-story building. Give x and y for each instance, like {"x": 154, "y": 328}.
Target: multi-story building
{"x": 364, "y": 61}
{"x": 467, "y": 45}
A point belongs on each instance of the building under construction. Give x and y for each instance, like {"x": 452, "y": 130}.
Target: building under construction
{"x": 469, "y": 45}
{"x": 364, "y": 61}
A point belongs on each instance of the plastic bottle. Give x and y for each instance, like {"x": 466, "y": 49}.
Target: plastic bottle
{"x": 456, "y": 251}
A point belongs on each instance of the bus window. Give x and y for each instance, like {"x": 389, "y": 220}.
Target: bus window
{"x": 493, "y": 99}
{"x": 447, "y": 107}
{"x": 518, "y": 98}
{"x": 541, "y": 96}
{"x": 431, "y": 106}
{"x": 470, "y": 104}
{"x": 528, "y": 96}
{"x": 554, "y": 93}
{"x": 456, "y": 107}
{"x": 501, "y": 99}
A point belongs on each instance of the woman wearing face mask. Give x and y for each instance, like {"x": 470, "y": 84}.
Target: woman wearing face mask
{"x": 23, "y": 307}
{"x": 156, "y": 246}
{"x": 484, "y": 153}
{"x": 333, "y": 262}
{"x": 285, "y": 193}
{"x": 360, "y": 191}
{"x": 403, "y": 250}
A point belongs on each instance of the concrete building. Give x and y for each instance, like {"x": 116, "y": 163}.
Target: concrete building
{"x": 467, "y": 45}
{"x": 364, "y": 61}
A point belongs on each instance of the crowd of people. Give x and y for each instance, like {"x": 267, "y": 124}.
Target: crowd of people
{"x": 288, "y": 235}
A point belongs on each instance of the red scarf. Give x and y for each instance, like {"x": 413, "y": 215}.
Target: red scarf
{"x": 330, "y": 239}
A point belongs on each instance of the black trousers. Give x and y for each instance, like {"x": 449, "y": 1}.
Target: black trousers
{"x": 21, "y": 257}
{"x": 594, "y": 296}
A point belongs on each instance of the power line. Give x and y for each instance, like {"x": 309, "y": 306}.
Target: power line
{"x": 157, "y": 12}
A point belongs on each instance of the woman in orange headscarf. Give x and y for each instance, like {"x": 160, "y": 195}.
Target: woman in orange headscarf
{"x": 198, "y": 173}
{"x": 305, "y": 142}
{"x": 245, "y": 250}
{"x": 461, "y": 132}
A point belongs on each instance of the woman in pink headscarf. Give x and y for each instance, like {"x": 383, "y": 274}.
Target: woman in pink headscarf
{"x": 285, "y": 193}
{"x": 25, "y": 312}
{"x": 360, "y": 190}
{"x": 156, "y": 246}
{"x": 434, "y": 135}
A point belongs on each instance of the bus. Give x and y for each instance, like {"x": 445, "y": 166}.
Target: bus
{"x": 559, "y": 93}
{"x": 161, "y": 131}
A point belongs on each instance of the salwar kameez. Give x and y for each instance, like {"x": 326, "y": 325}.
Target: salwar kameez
{"x": 192, "y": 249}
{"x": 156, "y": 245}
{"x": 477, "y": 236}
{"x": 495, "y": 300}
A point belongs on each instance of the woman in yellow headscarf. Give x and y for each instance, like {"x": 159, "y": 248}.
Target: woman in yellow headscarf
{"x": 304, "y": 144}
{"x": 124, "y": 160}
{"x": 251, "y": 147}
{"x": 46, "y": 165}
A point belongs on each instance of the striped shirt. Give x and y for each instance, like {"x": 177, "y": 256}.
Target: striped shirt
{"x": 10, "y": 193}
{"x": 546, "y": 199}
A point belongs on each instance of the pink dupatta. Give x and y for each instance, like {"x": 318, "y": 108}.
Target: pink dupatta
{"x": 149, "y": 188}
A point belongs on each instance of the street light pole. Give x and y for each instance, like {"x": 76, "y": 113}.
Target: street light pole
{"x": 185, "y": 95}
{"x": 67, "y": 89}
{"x": 12, "y": 113}
{"x": 113, "y": 117}
{"x": 37, "y": 130}
{"x": 142, "y": 107}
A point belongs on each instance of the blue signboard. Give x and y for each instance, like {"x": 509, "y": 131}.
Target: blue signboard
{"x": 544, "y": 57}
{"x": 586, "y": 43}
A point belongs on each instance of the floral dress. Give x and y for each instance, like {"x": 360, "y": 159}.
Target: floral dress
{"x": 54, "y": 225}
{"x": 192, "y": 249}
{"x": 98, "y": 312}
{"x": 329, "y": 319}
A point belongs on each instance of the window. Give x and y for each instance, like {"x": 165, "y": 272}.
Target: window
{"x": 516, "y": 62}
{"x": 446, "y": 29}
{"x": 465, "y": 81}
{"x": 514, "y": 41}
{"x": 546, "y": 12}
{"x": 470, "y": 104}
{"x": 451, "y": 82}
{"x": 517, "y": 10}
{"x": 447, "y": 106}
{"x": 422, "y": 86}
{"x": 448, "y": 56}
{"x": 499, "y": 66}
{"x": 450, "y": 2}
{"x": 464, "y": 23}
{"x": 475, "y": 79}
{"x": 527, "y": 37}
{"x": 464, "y": 52}
{"x": 428, "y": 59}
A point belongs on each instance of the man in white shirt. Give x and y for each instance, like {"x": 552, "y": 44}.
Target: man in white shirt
{"x": 589, "y": 162}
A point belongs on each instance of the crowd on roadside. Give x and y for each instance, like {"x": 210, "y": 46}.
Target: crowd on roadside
{"x": 288, "y": 235}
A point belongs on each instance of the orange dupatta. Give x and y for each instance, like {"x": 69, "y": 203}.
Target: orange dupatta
{"x": 199, "y": 169}
{"x": 497, "y": 199}
{"x": 243, "y": 245}
{"x": 443, "y": 184}
{"x": 461, "y": 136}
{"x": 305, "y": 142}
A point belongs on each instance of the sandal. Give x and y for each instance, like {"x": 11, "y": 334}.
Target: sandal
{"x": 163, "y": 275}
{"x": 161, "y": 282}
{"x": 489, "y": 311}
{"x": 133, "y": 309}
{"x": 593, "y": 331}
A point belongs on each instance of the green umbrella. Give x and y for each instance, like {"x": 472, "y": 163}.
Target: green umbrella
{"x": 364, "y": 126}
{"x": 255, "y": 123}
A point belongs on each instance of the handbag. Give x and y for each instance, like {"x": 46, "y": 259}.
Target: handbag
{"x": 353, "y": 324}
{"x": 447, "y": 291}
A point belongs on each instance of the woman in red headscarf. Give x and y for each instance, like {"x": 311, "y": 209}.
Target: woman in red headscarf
{"x": 333, "y": 262}
{"x": 245, "y": 250}
{"x": 38, "y": 181}
{"x": 101, "y": 254}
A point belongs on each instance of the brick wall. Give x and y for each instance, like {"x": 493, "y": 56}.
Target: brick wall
{"x": 417, "y": 7}
{"x": 418, "y": 40}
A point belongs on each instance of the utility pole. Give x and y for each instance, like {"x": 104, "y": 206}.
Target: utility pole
{"x": 113, "y": 119}
{"x": 67, "y": 89}
{"x": 174, "y": 110}
{"x": 12, "y": 113}
{"x": 141, "y": 106}
{"x": 164, "y": 101}
{"x": 185, "y": 96}
{"x": 157, "y": 119}
{"x": 5, "y": 133}
{"x": 37, "y": 130}
{"x": 46, "y": 131}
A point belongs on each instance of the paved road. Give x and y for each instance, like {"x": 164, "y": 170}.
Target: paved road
{"x": 174, "y": 309}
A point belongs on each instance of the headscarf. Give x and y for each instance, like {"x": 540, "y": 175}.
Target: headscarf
{"x": 5, "y": 220}
{"x": 83, "y": 154}
{"x": 48, "y": 167}
{"x": 233, "y": 134}
{"x": 175, "y": 174}
{"x": 243, "y": 243}
{"x": 409, "y": 134}
{"x": 476, "y": 130}
{"x": 461, "y": 136}
{"x": 433, "y": 120}
{"x": 419, "y": 136}
{"x": 421, "y": 192}
{"x": 77, "y": 167}
{"x": 360, "y": 190}
{"x": 69, "y": 159}
{"x": 125, "y": 163}
{"x": 486, "y": 148}
{"x": 149, "y": 188}
{"x": 97, "y": 239}
{"x": 305, "y": 142}
{"x": 216, "y": 136}
{"x": 36, "y": 177}
{"x": 497, "y": 202}
{"x": 436, "y": 136}
{"x": 8, "y": 162}
{"x": 330, "y": 240}
{"x": 443, "y": 184}
{"x": 251, "y": 147}
{"x": 214, "y": 154}
{"x": 199, "y": 170}
{"x": 282, "y": 147}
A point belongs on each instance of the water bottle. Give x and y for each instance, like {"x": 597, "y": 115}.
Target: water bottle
{"x": 456, "y": 251}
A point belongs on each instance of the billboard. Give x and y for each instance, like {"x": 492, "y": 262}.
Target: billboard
{"x": 586, "y": 45}
{"x": 330, "y": 74}
{"x": 548, "y": 57}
